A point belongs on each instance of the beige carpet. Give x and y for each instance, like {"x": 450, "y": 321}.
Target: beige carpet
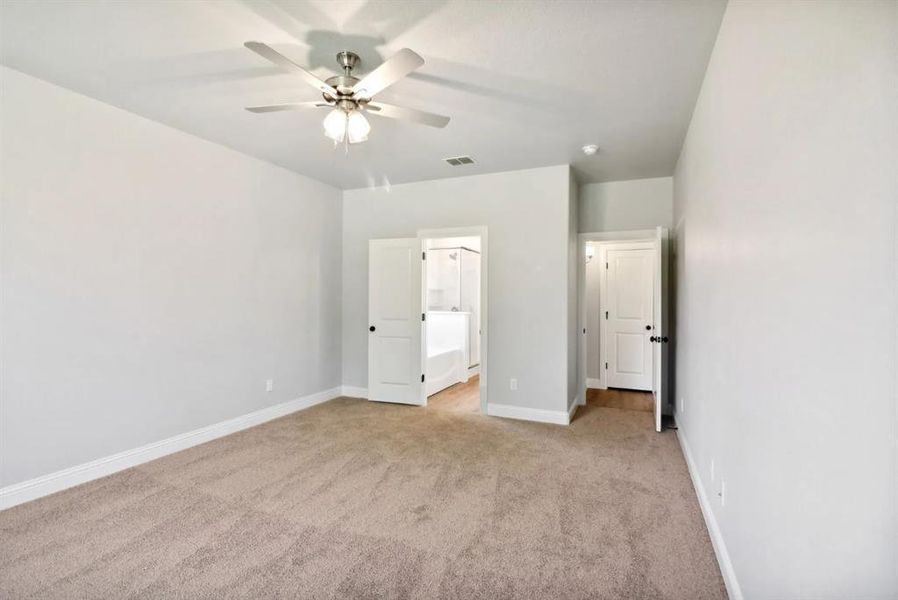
{"x": 352, "y": 499}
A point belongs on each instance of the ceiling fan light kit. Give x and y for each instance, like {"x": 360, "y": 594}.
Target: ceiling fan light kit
{"x": 348, "y": 96}
{"x": 351, "y": 127}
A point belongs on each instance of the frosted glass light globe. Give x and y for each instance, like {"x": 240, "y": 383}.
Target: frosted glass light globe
{"x": 357, "y": 127}
{"x": 335, "y": 125}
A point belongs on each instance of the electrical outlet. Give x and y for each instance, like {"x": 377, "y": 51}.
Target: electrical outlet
{"x": 723, "y": 493}
{"x": 513, "y": 383}
{"x": 712, "y": 469}
{"x": 269, "y": 385}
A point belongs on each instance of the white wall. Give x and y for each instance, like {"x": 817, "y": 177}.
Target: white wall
{"x": 626, "y": 205}
{"x": 151, "y": 281}
{"x": 573, "y": 314}
{"x": 526, "y": 213}
{"x": 787, "y": 353}
{"x": 639, "y": 204}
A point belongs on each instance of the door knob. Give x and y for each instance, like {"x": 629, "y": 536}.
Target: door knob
{"x": 372, "y": 328}
{"x": 652, "y": 339}
{"x": 664, "y": 339}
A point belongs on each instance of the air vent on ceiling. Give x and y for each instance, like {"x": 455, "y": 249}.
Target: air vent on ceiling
{"x": 456, "y": 161}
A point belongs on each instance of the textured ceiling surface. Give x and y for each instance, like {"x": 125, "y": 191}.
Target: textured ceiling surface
{"x": 526, "y": 83}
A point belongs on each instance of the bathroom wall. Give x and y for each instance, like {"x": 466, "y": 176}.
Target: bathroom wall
{"x": 453, "y": 284}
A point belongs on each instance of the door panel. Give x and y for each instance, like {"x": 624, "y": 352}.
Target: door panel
{"x": 393, "y": 353}
{"x": 629, "y": 353}
{"x": 393, "y": 269}
{"x": 394, "y": 313}
{"x": 630, "y": 283}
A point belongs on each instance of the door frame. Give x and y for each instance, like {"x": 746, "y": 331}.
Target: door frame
{"x": 602, "y": 238}
{"x": 482, "y": 232}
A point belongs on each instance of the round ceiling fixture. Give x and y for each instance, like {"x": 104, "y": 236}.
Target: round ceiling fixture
{"x": 590, "y": 149}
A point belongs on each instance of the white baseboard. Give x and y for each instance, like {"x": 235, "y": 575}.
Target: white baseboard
{"x": 558, "y": 417}
{"x": 720, "y": 548}
{"x": 475, "y": 370}
{"x": 352, "y": 391}
{"x": 45, "y": 485}
{"x": 595, "y": 384}
{"x": 572, "y": 407}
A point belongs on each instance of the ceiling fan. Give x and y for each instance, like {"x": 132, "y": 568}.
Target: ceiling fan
{"x": 350, "y": 96}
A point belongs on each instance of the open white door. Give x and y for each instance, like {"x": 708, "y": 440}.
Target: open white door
{"x": 629, "y": 304}
{"x": 395, "y": 371}
{"x": 660, "y": 337}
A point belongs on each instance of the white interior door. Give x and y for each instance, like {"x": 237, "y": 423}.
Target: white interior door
{"x": 395, "y": 369}
{"x": 661, "y": 342}
{"x": 630, "y": 283}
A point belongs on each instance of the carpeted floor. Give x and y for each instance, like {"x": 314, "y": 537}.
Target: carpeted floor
{"x": 352, "y": 499}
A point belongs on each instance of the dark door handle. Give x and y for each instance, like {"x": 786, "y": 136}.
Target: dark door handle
{"x": 652, "y": 339}
{"x": 372, "y": 328}
{"x": 664, "y": 339}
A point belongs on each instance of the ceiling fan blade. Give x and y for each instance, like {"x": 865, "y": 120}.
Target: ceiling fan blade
{"x": 395, "y": 68}
{"x": 289, "y": 106}
{"x": 266, "y": 51}
{"x": 407, "y": 114}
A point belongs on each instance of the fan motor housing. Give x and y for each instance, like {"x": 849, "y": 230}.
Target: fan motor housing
{"x": 342, "y": 83}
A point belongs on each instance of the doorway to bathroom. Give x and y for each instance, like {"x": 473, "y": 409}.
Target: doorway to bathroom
{"x": 453, "y": 335}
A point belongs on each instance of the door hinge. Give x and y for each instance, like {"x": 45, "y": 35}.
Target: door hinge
{"x": 606, "y": 265}
{"x": 606, "y": 315}
{"x": 422, "y": 316}
{"x": 424, "y": 256}
{"x": 422, "y": 377}
{"x": 606, "y": 366}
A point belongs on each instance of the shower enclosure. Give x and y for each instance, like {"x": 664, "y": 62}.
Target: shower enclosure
{"x": 453, "y": 285}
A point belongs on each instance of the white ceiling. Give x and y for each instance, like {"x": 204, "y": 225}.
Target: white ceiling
{"x": 526, "y": 83}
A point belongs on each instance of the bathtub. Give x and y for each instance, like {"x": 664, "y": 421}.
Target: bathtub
{"x": 445, "y": 367}
{"x": 447, "y": 350}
